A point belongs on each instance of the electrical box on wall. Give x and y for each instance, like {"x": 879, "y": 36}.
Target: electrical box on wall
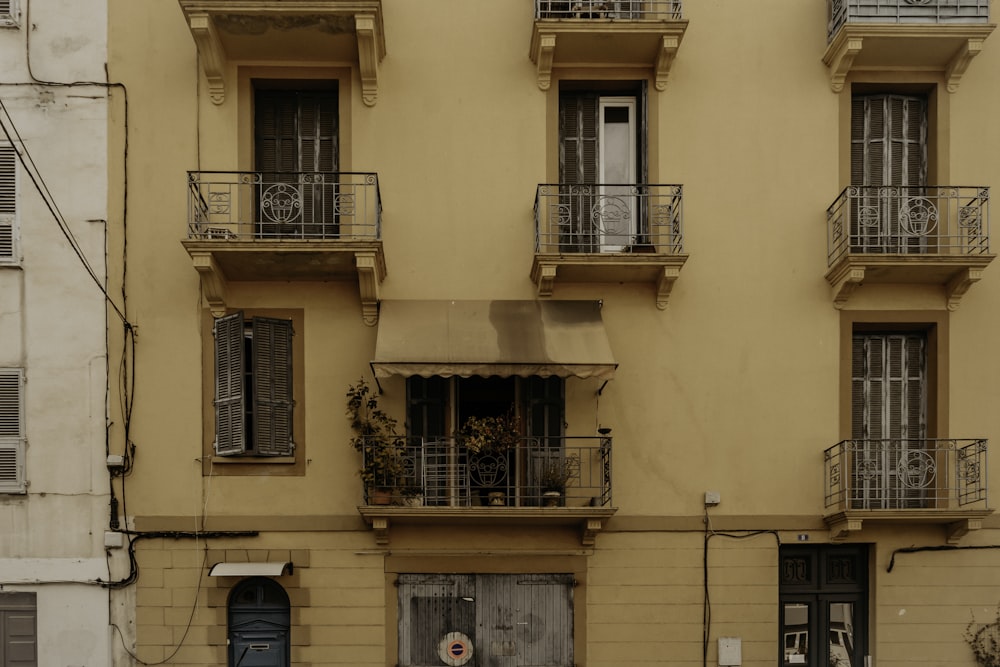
{"x": 730, "y": 651}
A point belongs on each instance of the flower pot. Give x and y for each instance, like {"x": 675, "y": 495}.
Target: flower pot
{"x": 551, "y": 498}
{"x": 380, "y": 497}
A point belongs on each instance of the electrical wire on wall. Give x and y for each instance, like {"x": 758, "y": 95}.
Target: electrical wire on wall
{"x": 707, "y": 601}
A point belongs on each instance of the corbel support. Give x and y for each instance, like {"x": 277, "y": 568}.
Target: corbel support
{"x": 665, "y": 59}
{"x": 546, "y": 52}
{"x": 841, "y": 530}
{"x": 545, "y": 277}
{"x": 846, "y": 285}
{"x": 665, "y": 285}
{"x": 211, "y": 53}
{"x": 213, "y": 282}
{"x": 841, "y": 62}
{"x": 956, "y": 531}
{"x": 959, "y": 285}
{"x": 960, "y": 63}
{"x": 381, "y": 527}
{"x": 368, "y": 284}
{"x": 367, "y": 57}
{"x": 591, "y": 527}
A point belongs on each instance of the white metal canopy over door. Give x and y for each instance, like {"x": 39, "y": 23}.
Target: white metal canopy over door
{"x": 889, "y": 405}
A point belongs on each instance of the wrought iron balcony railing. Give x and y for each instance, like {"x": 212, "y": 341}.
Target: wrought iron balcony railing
{"x": 606, "y": 217}
{"x": 608, "y": 9}
{"x": 246, "y": 206}
{"x": 906, "y": 11}
{"x": 942, "y": 220}
{"x": 538, "y": 472}
{"x": 902, "y": 474}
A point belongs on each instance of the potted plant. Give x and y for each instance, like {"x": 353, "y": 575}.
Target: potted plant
{"x": 489, "y": 441}
{"x": 383, "y": 468}
{"x": 556, "y": 471}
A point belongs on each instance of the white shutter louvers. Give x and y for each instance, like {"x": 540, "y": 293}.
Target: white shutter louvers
{"x": 9, "y": 13}
{"x": 8, "y": 202}
{"x": 12, "y": 478}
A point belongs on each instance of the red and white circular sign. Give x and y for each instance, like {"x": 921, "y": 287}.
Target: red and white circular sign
{"x": 455, "y": 649}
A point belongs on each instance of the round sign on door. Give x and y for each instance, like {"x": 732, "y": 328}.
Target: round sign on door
{"x": 455, "y": 649}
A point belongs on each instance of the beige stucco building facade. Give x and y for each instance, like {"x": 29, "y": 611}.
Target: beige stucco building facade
{"x": 727, "y": 265}
{"x": 55, "y": 497}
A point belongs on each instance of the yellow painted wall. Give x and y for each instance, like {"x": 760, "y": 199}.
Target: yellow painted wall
{"x": 735, "y": 387}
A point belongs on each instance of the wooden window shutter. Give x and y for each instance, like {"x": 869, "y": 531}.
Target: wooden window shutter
{"x": 230, "y": 409}
{"x": 12, "y": 478}
{"x": 544, "y": 406}
{"x": 578, "y": 134}
{"x": 426, "y": 406}
{"x": 8, "y": 203}
{"x": 272, "y": 386}
{"x": 889, "y": 140}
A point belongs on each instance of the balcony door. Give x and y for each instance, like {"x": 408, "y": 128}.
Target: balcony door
{"x": 890, "y": 464}
{"x": 437, "y": 407}
{"x": 296, "y": 163}
{"x": 600, "y": 164}
{"x": 891, "y": 212}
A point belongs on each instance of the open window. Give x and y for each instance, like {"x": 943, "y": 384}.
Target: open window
{"x": 602, "y": 167}
{"x": 253, "y": 386}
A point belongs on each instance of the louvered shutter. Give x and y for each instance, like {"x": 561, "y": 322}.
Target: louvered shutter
{"x": 578, "y": 168}
{"x": 888, "y": 149}
{"x": 272, "y": 386}
{"x": 230, "y": 408}
{"x": 20, "y": 639}
{"x": 8, "y": 204}
{"x": 318, "y": 140}
{"x": 276, "y": 139}
{"x": 12, "y": 477}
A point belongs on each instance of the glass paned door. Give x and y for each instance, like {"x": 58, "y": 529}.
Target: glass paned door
{"x": 614, "y": 212}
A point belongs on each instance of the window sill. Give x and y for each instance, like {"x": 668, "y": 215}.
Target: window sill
{"x": 254, "y": 460}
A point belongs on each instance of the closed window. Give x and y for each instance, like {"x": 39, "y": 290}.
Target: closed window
{"x": 485, "y": 619}
{"x": 296, "y": 148}
{"x": 253, "y": 386}
{"x": 8, "y": 203}
{"x": 18, "y": 633}
{"x": 12, "y": 440}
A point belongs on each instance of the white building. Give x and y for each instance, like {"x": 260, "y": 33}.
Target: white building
{"x": 55, "y": 498}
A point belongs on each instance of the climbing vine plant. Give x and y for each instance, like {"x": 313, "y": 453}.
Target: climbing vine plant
{"x": 984, "y": 640}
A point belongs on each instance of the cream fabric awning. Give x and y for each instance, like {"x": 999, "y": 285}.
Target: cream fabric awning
{"x": 505, "y": 338}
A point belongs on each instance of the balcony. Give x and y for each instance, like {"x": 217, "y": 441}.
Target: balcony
{"x": 314, "y": 31}
{"x": 597, "y": 33}
{"x": 256, "y": 226}
{"x": 542, "y": 481}
{"x": 932, "y": 481}
{"x": 915, "y": 35}
{"x": 608, "y": 233}
{"x": 936, "y": 235}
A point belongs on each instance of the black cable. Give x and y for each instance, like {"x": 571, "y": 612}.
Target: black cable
{"x": 940, "y": 547}
{"x": 706, "y": 612}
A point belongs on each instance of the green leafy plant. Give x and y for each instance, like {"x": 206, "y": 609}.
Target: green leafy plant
{"x": 984, "y": 640}
{"x": 489, "y": 435}
{"x": 383, "y": 450}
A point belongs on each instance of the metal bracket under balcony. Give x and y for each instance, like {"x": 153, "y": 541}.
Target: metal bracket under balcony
{"x": 911, "y": 35}
{"x": 301, "y": 226}
{"x": 597, "y": 33}
{"x": 558, "y": 481}
{"x": 910, "y": 481}
{"x": 228, "y": 31}
{"x": 932, "y": 235}
{"x": 609, "y": 233}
